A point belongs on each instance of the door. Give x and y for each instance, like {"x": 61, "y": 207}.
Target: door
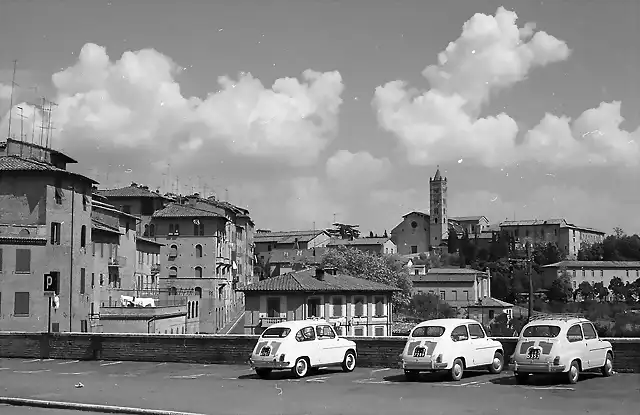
{"x": 313, "y": 308}
{"x": 577, "y": 347}
{"x": 595, "y": 352}
{"x": 308, "y": 345}
{"x": 330, "y": 345}
{"x": 462, "y": 345}
{"x": 482, "y": 345}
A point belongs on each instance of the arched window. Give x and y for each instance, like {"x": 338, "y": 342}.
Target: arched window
{"x": 173, "y": 291}
{"x": 189, "y": 309}
{"x": 146, "y": 230}
{"x": 198, "y": 251}
{"x": 173, "y": 272}
{"x": 193, "y": 309}
{"x": 152, "y": 230}
{"x": 198, "y": 272}
{"x": 197, "y": 306}
{"x": 173, "y": 251}
{"x": 83, "y": 236}
{"x": 25, "y": 232}
{"x": 198, "y": 292}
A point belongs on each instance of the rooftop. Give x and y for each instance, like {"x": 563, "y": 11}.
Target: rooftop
{"x": 282, "y": 256}
{"x": 288, "y": 237}
{"x": 490, "y": 302}
{"x": 358, "y": 242}
{"x": 20, "y": 164}
{"x": 595, "y": 264}
{"x": 176, "y": 210}
{"x": 133, "y": 190}
{"x": 468, "y": 218}
{"x": 541, "y": 222}
{"x": 306, "y": 281}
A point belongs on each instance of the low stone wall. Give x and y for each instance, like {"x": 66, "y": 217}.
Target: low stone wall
{"x": 231, "y": 349}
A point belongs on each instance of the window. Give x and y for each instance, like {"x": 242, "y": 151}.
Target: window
{"x": 325, "y": 332}
{"x": 198, "y": 272}
{"x": 428, "y": 331}
{"x": 602, "y": 273}
{"x": 173, "y": 272}
{"x": 414, "y": 224}
{"x": 83, "y": 236}
{"x": 176, "y": 230}
{"x": 276, "y": 332}
{"x": 173, "y": 251}
{"x": 455, "y": 295}
{"x": 589, "y": 331}
{"x": 0, "y": 260}
{"x": 189, "y": 309}
{"x": 55, "y": 233}
{"x": 58, "y": 192}
{"x": 460, "y": 333}
{"x": 198, "y": 251}
{"x": 358, "y": 331}
{"x": 198, "y": 291}
{"x": 126, "y": 209}
{"x": 476, "y": 332}
{"x": 378, "y": 304}
{"x": 21, "y": 304}
{"x": 336, "y": 306}
{"x": 378, "y": 331}
{"x": 273, "y": 307}
{"x": 83, "y": 326}
{"x": 492, "y": 314}
{"x": 465, "y": 295}
{"x": 358, "y": 306}
{"x": 127, "y": 228}
{"x": 93, "y": 309}
{"x": 442, "y": 295}
{"x": 55, "y": 327}
{"x": 85, "y": 200}
{"x": 314, "y": 308}
{"x": 574, "y": 334}
{"x": 414, "y": 249}
{"x": 82, "y": 280}
{"x": 201, "y": 229}
{"x": 23, "y": 261}
{"x": 146, "y": 230}
{"x": 152, "y": 230}
{"x": 306, "y": 334}
{"x": 195, "y": 229}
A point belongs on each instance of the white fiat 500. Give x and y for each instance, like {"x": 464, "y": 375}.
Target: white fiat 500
{"x": 563, "y": 344}
{"x": 450, "y": 344}
{"x": 301, "y": 346}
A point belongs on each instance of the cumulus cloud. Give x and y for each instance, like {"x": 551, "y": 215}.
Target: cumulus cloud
{"x": 443, "y": 124}
{"x": 136, "y": 102}
{"x": 5, "y": 91}
{"x": 357, "y": 169}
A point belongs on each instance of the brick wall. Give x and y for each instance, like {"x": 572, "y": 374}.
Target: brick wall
{"x": 232, "y": 349}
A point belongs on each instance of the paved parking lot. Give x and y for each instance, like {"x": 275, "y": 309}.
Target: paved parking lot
{"x": 224, "y": 389}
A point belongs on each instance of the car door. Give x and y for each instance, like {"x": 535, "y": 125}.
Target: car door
{"x": 482, "y": 345}
{"x": 307, "y": 345}
{"x": 329, "y": 345}
{"x": 595, "y": 351}
{"x": 576, "y": 346}
{"x": 461, "y": 345}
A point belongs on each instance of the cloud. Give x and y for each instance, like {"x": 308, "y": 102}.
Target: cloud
{"x": 136, "y": 102}
{"x": 443, "y": 123}
{"x": 594, "y": 138}
{"x": 5, "y": 91}
{"x": 359, "y": 169}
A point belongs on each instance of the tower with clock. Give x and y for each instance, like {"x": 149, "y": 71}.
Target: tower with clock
{"x": 439, "y": 226}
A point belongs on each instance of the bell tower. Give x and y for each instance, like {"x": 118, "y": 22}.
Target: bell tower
{"x": 439, "y": 226}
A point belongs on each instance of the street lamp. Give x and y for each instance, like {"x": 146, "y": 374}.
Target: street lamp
{"x": 528, "y": 270}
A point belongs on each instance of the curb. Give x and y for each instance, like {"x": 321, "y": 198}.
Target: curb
{"x": 108, "y": 409}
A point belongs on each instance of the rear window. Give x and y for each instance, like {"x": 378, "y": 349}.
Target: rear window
{"x": 276, "y": 332}
{"x": 428, "y": 331}
{"x": 541, "y": 331}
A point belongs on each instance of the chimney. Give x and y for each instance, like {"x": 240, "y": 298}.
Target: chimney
{"x": 320, "y": 274}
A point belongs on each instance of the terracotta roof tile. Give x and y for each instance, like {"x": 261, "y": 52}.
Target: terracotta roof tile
{"x": 129, "y": 191}
{"x": 358, "y": 242}
{"x": 305, "y": 281}
{"x": 185, "y": 211}
{"x": 15, "y": 163}
{"x": 595, "y": 264}
{"x": 287, "y": 236}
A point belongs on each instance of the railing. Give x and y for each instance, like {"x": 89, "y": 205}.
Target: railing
{"x": 155, "y": 269}
{"x": 118, "y": 261}
{"x": 267, "y": 321}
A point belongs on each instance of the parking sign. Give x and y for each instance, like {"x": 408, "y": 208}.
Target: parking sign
{"x": 50, "y": 282}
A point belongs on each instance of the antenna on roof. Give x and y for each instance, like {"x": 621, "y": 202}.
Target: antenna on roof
{"x": 13, "y": 83}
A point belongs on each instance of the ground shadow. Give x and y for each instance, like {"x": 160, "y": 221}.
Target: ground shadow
{"x": 434, "y": 377}
{"x": 544, "y": 379}
{"x": 286, "y": 374}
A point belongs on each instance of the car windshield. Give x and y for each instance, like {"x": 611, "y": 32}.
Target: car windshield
{"x": 541, "y": 331}
{"x": 428, "y": 331}
{"x": 276, "y": 332}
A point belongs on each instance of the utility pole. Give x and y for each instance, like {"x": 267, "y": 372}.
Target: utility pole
{"x": 528, "y": 269}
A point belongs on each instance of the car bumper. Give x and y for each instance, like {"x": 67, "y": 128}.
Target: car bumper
{"x": 268, "y": 364}
{"x": 527, "y": 367}
{"x": 425, "y": 364}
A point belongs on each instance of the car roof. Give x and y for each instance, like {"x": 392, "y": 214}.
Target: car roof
{"x": 298, "y": 324}
{"x": 447, "y": 323}
{"x": 557, "y": 321}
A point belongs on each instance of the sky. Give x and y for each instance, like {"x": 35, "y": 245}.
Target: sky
{"x": 310, "y": 111}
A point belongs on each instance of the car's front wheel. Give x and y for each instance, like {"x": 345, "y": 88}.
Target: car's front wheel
{"x": 263, "y": 373}
{"x": 498, "y": 363}
{"x": 607, "y": 369}
{"x": 349, "y": 362}
{"x": 301, "y": 368}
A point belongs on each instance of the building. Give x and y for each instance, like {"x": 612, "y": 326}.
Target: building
{"x": 472, "y": 225}
{"x": 45, "y": 228}
{"x": 282, "y": 261}
{"x": 139, "y": 201}
{"x": 594, "y": 272}
{"x": 570, "y": 238}
{"x": 439, "y": 224}
{"x": 458, "y": 287}
{"x": 357, "y": 307}
{"x": 147, "y": 268}
{"x": 411, "y": 236}
{"x": 266, "y": 241}
{"x": 487, "y": 309}
{"x": 378, "y": 246}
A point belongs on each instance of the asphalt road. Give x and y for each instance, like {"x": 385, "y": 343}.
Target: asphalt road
{"x": 21, "y": 410}
{"x": 222, "y": 389}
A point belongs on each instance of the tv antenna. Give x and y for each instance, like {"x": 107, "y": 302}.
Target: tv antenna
{"x": 13, "y": 84}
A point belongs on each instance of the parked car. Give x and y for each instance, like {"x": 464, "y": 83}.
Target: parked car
{"x": 450, "y": 344}
{"x": 562, "y": 344}
{"x": 301, "y": 346}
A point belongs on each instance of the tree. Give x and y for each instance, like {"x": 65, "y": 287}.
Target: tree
{"x": 617, "y": 288}
{"x": 370, "y": 234}
{"x": 452, "y": 242}
{"x": 560, "y": 289}
{"x": 385, "y": 234}
{"x": 586, "y": 290}
{"x": 592, "y": 252}
{"x": 545, "y": 254}
{"x": 386, "y": 269}
{"x": 499, "y": 245}
{"x": 600, "y": 291}
{"x": 344, "y": 231}
{"x": 468, "y": 250}
{"x": 429, "y": 306}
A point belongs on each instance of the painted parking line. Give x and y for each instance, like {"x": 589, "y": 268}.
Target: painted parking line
{"x": 74, "y": 373}
{"x": 380, "y": 370}
{"x": 199, "y": 375}
{"x": 69, "y": 362}
{"x": 110, "y": 363}
{"x": 473, "y": 384}
{"x": 4, "y": 368}
{"x": 31, "y": 361}
{"x": 31, "y": 371}
{"x": 48, "y": 360}
{"x": 561, "y": 388}
{"x": 319, "y": 380}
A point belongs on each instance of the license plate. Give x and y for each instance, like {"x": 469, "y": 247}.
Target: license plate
{"x": 533, "y": 354}
{"x": 419, "y": 352}
{"x": 265, "y": 351}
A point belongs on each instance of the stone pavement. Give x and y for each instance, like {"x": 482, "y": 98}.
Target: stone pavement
{"x": 223, "y": 389}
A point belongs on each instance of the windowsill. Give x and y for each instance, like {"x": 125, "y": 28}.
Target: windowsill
{"x": 22, "y": 272}
{"x": 21, "y": 315}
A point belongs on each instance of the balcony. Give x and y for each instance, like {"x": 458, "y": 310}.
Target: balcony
{"x": 155, "y": 269}
{"x": 268, "y": 321}
{"x": 117, "y": 261}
